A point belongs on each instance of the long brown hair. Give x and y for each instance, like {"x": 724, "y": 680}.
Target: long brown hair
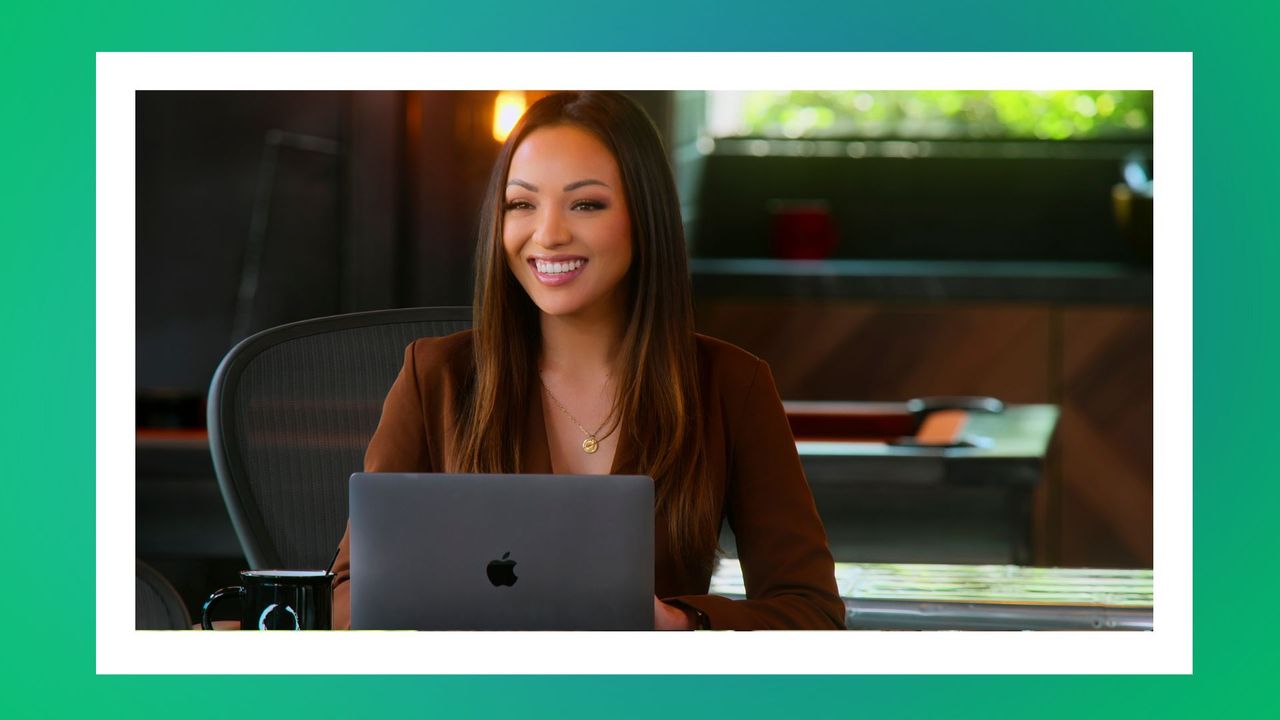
{"x": 657, "y": 395}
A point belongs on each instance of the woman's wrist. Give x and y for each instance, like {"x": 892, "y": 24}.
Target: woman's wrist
{"x": 694, "y": 619}
{"x": 690, "y": 618}
{"x": 670, "y": 616}
{"x": 698, "y": 620}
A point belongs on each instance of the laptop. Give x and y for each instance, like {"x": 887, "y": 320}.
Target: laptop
{"x": 501, "y": 552}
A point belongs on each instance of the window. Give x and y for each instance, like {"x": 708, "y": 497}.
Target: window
{"x": 932, "y": 114}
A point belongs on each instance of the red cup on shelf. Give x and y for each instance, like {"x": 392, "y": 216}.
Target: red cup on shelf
{"x": 801, "y": 230}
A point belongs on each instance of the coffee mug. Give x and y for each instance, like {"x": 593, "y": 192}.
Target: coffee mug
{"x": 278, "y": 600}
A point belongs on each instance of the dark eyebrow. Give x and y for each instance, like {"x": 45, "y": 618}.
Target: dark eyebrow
{"x": 567, "y": 188}
{"x": 583, "y": 183}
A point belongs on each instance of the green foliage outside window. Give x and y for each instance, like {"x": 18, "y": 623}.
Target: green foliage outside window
{"x": 942, "y": 114}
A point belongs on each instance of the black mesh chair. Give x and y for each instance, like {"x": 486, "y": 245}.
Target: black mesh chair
{"x": 291, "y": 411}
{"x": 157, "y": 606}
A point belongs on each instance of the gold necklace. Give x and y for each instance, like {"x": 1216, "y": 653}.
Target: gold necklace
{"x": 592, "y": 443}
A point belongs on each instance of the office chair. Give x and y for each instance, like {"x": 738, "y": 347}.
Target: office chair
{"x": 157, "y": 606}
{"x": 291, "y": 410}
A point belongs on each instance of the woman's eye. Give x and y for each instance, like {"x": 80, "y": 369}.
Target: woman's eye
{"x": 518, "y": 205}
{"x": 588, "y": 205}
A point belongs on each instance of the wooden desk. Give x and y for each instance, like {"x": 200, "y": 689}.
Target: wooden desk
{"x": 893, "y": 486}
{"x": 881, "y": 596}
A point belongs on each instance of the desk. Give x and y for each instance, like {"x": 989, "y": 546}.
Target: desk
{"x": 859, "y": 442}
{"x": 893, "y": 485}
{"x": 881, "y": 596}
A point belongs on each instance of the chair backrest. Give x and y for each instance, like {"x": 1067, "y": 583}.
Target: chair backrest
{"x": 291, "y": 411}
{"x": 157, "y": 606}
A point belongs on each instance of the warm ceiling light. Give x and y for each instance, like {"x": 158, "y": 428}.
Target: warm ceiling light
{"x": 508, "y": 106}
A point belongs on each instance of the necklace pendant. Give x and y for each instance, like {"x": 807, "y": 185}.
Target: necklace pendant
{"x": 590, "y": 445}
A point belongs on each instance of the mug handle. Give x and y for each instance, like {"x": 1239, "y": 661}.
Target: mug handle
{"x": 235, "y": 591}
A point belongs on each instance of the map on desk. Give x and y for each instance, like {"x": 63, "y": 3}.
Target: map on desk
{"x": 996, "y": 584}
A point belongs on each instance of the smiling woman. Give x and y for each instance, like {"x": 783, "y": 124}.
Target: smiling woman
{"x": 566, "y": 210}
{"x": 583, "y": 360}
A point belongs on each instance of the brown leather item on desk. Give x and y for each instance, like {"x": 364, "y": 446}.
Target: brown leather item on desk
{"x": 941, "y": 427}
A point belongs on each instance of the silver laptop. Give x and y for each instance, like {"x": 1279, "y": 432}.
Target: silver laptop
{"x": 501, "y": 552}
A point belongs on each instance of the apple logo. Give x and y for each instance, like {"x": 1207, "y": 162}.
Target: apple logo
{"x": 502, "y": 572}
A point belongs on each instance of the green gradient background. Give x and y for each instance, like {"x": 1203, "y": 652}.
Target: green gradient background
{"x": 47, "y": 267}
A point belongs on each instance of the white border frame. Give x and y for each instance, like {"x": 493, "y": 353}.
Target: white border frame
{"x": 121, "y": 649}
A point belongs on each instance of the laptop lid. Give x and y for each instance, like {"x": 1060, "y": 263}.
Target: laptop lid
{"x": 501, "y": 552}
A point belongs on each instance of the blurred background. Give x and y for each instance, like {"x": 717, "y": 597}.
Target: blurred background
{"x": 870, "y": 245}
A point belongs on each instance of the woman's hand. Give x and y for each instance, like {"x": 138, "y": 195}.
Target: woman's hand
{"x": 669, "y": 617}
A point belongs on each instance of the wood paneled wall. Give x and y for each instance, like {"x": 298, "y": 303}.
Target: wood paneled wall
{"x": 1105, "y": 497}
{"x": 1094, "y": 507}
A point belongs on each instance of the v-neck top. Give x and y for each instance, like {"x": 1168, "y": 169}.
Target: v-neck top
{"x": 751, "y": 463}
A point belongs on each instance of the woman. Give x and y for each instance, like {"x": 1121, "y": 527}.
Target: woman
{"x": 583, "y": 360}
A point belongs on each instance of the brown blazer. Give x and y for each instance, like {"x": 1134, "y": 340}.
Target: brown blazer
{"x": 751, "y": 458}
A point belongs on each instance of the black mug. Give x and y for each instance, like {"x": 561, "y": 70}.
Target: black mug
{"x": 278, "y": 600}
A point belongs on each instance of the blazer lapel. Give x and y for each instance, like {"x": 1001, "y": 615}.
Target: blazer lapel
{"x": 624, "y": 459}
{"x": 536, "y": 450}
